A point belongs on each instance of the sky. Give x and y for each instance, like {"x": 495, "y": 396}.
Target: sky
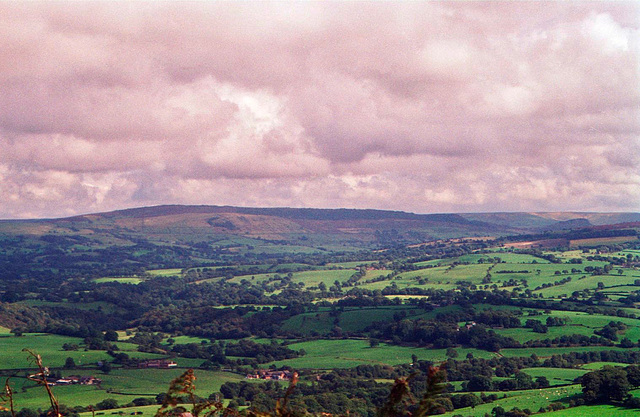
{"x": 415, "y": 106}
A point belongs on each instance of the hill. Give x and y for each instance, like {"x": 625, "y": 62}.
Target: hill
{"x": 179, "y": 224}
{"x": 173, "y": 236}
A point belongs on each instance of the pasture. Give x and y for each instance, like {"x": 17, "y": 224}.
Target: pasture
{"x": 122, "y": 385}
{"x": 347, "y": 353}
{"x": 546, "y": 352}
{"x": 507, "y": 257}
{"x": 526, "y": 399}
{"x": 150, "y": 382}
{"x": 600, "y": 241}
{"x": 351, "y": 319}
{"x": 145, "y": 411}
{"x": 309, "y": 278}
{"x": 122, "y": 280}
{"x": 556, "y": 376}
{"x": 599, "y": 365}
{"x": 36, "y": 397}
{"x": 50, "y": 348}
{"x": 595, "y": 411}
{"x": 165, "y": 272}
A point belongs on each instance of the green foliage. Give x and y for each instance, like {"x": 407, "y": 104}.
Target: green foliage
{"x": 609, "y": 384}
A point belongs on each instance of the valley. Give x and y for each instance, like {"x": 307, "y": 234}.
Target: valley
{"x": 516, "y": 308}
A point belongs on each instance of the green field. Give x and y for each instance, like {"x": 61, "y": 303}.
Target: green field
{"x": 507, "y": 257}
{"x": 153, "y": 381}
{"x": 545, "y": 352}
{"x": 525, "y": 399}
{"x": 351, "y": 319}
{"x": 598, "y": 365}
{"x": 50, "y": 348}
{"x": 579, "y": 323}
{"x": 122, "y": 280}
{"x": 347, "y": 353}
{"x": 165, "y": 272}
{"x": 602, "y": 241}
{"x": 122, "y": 385}
{"x": 556, "y": 376}
{"x": 309, "y": 278}
{"x": 35, "y": 396}
{"x": 147, "y": 411}
{"x": 595, "y": 411}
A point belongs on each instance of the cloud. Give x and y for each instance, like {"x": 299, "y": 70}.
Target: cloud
{"x": 426, "y": 106}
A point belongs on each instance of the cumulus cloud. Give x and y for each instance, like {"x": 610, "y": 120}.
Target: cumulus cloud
{"x": 419, "y": 106}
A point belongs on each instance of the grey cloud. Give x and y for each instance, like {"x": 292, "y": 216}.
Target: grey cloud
{"x": 427, "y": 106}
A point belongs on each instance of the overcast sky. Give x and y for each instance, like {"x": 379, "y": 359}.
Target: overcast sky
{"x": 417, "y": 106}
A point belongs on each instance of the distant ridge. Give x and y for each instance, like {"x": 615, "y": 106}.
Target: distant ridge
{"x": 309, "y": 226}
{"x": 284, "y": 212}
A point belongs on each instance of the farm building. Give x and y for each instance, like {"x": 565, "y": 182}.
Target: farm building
{"x": 271, "y": 375}
{"x": 158, "y": 363}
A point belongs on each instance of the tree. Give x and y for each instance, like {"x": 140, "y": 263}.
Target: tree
{"x": 480, "y": 383}
{"x": 626, "y": 343}
{"x": 107, "y": 404}
{"x": 524, "y": 381}
{"x": 111, "y": 336}
{"x": 105, "y": 367}
{"x": 542, "y": 382}
{"x": 69, "y": 363}
{"x": 373, "y": 342}
{"x": 606, "y": 385}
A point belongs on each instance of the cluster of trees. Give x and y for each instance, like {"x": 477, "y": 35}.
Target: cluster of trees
{"x": 437, "y": 334}
{"x": 611, "y": 385}
{"x": 215, "y": 354}
{"x": 520, "y": 381}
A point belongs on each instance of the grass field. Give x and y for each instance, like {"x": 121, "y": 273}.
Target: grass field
{"x": 444, "y": 274}
{"x": 313, "y": 278}
{"x": 524, "y": 335}
{"x": 556, "y": 376}
{"x": 183, "y": 340}
{"x": 359, "y": 319}
{"x": 598, "y": 365}
{"x": 510, "y": 258}
{"x": 50, "y": 348}
{"x": 590, "y": 282}
{"x": 545, "y": 352}
{"x": 72, "y": 395}
{"x": 525, "y": 399}
{"x": 354, "y": 264}
{"x": 595, "y": 411}
{"x": 579, "y": 323}
{"x": 147, "y": 411}
{"x": 123, "y": 385}
{"x": 165, "y": 272}
{"x": 326, "y": 354}
{"x": 122, "y": 280}
{"x": 143, "y": 382}
{"x": 602, "y": 241}
{"x": 310, "y": 278}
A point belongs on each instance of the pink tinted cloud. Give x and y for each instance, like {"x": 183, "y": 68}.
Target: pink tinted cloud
{"x": 421, "y": 106}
